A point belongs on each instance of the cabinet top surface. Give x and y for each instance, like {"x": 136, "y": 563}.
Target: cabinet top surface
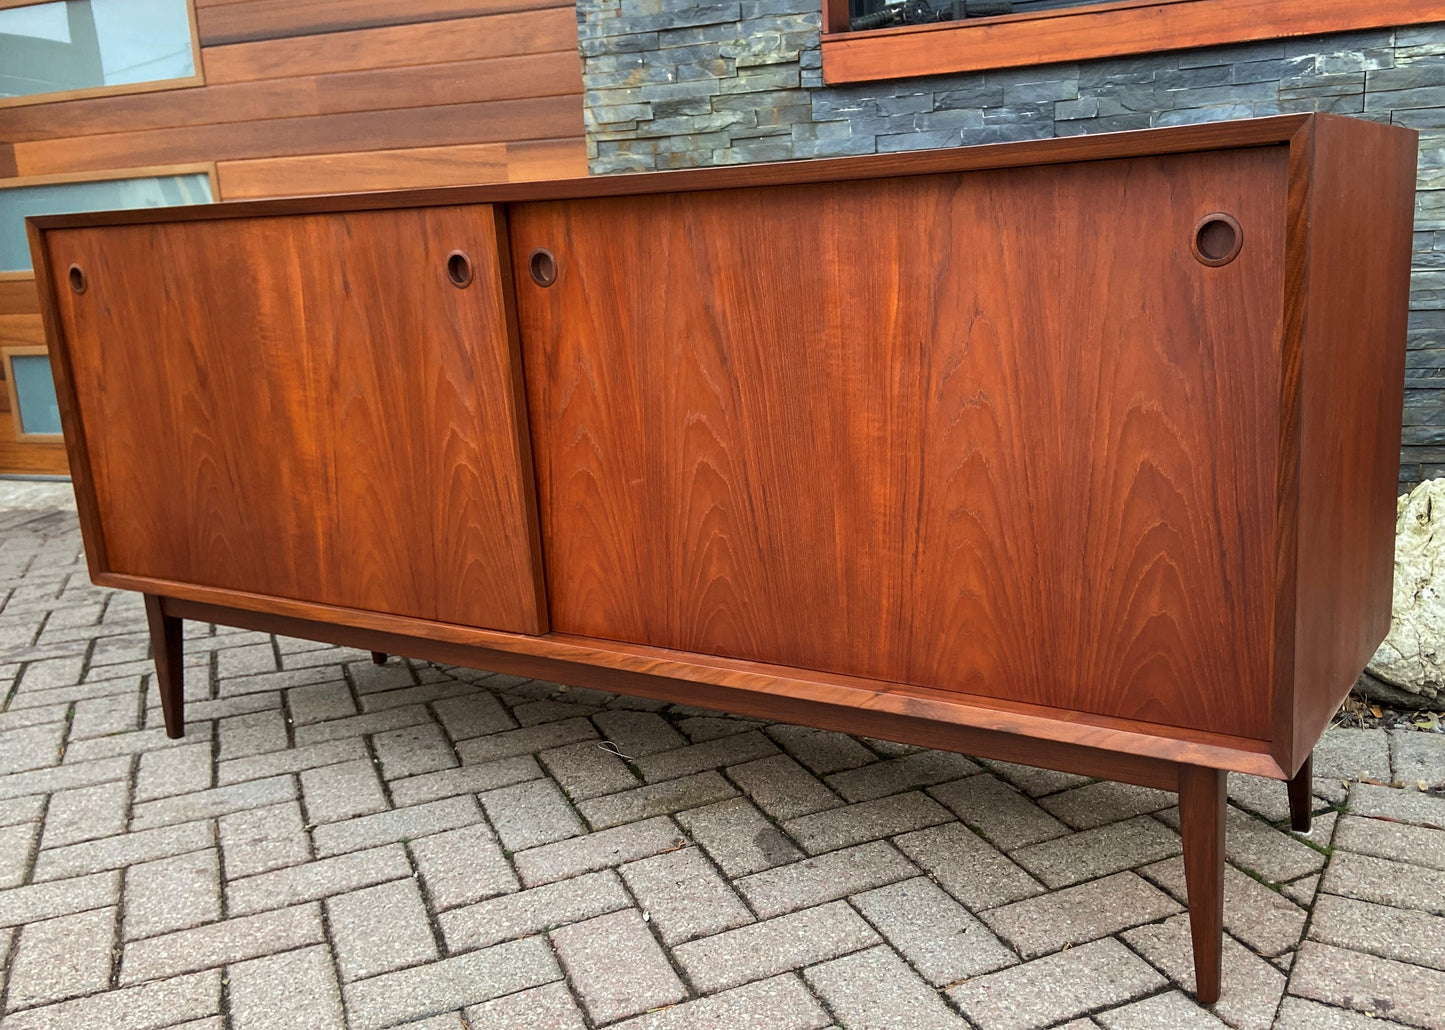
{"x": 1253, "y": 132}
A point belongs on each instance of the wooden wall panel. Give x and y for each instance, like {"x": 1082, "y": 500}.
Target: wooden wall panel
{"x": 274, "y": 19}
{"x": 396, "y": 46}
{"x": 19, "y": 297}
{"x": 7, "y": 160}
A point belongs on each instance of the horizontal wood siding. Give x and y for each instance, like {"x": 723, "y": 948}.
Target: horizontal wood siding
{"x": 321, "y": 97}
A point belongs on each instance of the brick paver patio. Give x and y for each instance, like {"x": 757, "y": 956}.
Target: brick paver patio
{"x": 340, "y": 844}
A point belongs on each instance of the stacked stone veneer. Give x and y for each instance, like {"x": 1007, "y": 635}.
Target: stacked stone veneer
{"x": 679, "y": 85}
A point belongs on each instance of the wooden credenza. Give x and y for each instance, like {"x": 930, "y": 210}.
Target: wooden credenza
{"x": 1077, "y": 453}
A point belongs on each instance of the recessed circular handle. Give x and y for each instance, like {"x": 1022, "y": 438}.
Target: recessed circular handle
{"x": 1217, "y": 239}
{"x": 76, "y": 275}
{"x": 542, "y": 266}
{"x": 459, "y": 269}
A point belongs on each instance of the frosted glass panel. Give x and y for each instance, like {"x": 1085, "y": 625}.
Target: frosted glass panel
{"x": 18, "y": 203}
{"x": 35, "y": 393}
{"x": 78, "y": 44}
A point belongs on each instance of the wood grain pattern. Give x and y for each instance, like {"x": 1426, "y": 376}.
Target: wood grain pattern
{"x": 19, "y": 297}
{"x": 1202, "y": 794}
{"x": 394, "y": 477}
{"x": 402, "y": 169}
{"x": 1351, "y": 397}
{"x": 846, "y": 446}
{"x": 394, "y": 46}
{"x": 1095, "y": 31}
{"x": 249, "y": 20}
{"x": 500, "y": 120}
{"x": 28, "y": 459}
{"x": 7, "y": 161}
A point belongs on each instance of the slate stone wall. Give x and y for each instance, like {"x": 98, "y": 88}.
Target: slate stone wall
{"x": 672, "y": 84}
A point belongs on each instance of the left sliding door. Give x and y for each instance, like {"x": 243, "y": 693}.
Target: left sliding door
{"x": 322, "y": 407}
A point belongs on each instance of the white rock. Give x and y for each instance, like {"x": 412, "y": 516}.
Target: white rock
{"x": 1412, "y": 658}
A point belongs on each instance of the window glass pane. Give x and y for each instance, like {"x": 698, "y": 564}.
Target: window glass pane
{"x": 19, "y": 202}
{"x": 875, "y": 14}
{"x": 35, "y": 393}
{"x": 78, "y": 44}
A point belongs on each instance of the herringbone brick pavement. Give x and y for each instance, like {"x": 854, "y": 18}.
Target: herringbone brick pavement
{"x": 340, "y": 844}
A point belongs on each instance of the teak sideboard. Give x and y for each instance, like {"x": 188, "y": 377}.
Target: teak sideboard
{"x": 1077, "y": 453}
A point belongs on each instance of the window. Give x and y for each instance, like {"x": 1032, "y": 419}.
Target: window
{"x": 191, "y": 185}
{"x": 32, "y": 393}
{"x": 84, "y": 47}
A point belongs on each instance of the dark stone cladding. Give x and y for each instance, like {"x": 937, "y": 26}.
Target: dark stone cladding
{"x": 671, "y": 84}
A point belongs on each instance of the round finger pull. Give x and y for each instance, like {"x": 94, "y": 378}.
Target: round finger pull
{"x": 1217, "y": 239}
{"x": 76, "y": 275}
{"x": 542, "y": 266}
{"x": 459, "y": 269}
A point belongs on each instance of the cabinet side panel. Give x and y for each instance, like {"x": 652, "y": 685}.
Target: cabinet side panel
{"x": 306, "y": 407}
{"x": 1361, "y": 216}
{"x": 995, "y": 432}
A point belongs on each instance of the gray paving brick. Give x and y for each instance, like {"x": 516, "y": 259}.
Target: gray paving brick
{"x": 84, "y": 813}
{"x": 867, "y": 820}
{"x": 206, "y": 804}
{"x": 269, "y": 681}
{"x": 1268, "y": 921}
{"x": 1098, "y": 852}
{"x": 378, "y": 929}
{"x": 127, "y": 744}
{"x": 242, "y": 736}
{"x": 20, "y": 717}
{"x": 783, "y": 788}
{"x": 533, "y": 911}
{"x": 1163, "y": 1010}
{"x": 967, "y": 866}
{"x": 416, "y": 695}
{"x": 534, "y": 713}
{"x": 360, "y": 725}
{"x": 179, "y": 770}
{"x": 824, "y": 878}
{"x": 214, "y": 944}
{"x": 616, "y": 966}
{"x": 281, "y": 992}
{"x": 47, "y": 900}
{"x": 1077, "y": 915}
{"x": 79, "y": 774}
{"x": 476, "y": 715}
{"x": 1418, "y": 758}
{"x": 315, "y": 880}
{"x": 145, "y": 1007}
{"x": 1385, "y": 882}
{"x": 925, "y": 768}
{"x": 1033, "y": 781}
{"x": 54, "y": 672}
{"x": 738, "y": 837}
{"x": 662, "y": 798}
{"x": 413, "y": 750}
{"x": 684, "y": 761}
{"x": 638, "y": 734}
{"x": 61, "y": 958}
{"x": 1383, "y": 839}
{"x": 584, "y": 770}
{"x": 199, "y": 710}
{"x": 261, "y": 839}
{"x": 684, "y": 895}
{"x": 1300, "y": 1014}
{"x": 341, "y": 791}
{"x": 1405, "y": 806}
{"x": 468, "y": 779}
{"x": 1252, "y": 986}
{"x": 318, "y": 702}
{"x": 245, "y": 660}
{"x": 463, "y": 866}
{"x": 123, "y": 849}
{"x": 450, "y": 984}
{"x": 779, "y": 1003}
{"x": 1001, "y": 814}
{"x": 597, "y": 850}
{"x": 938, "y": 936}
{"x": 99, "y": 716}
{"x": 1351, "y": 754}
{"x": 1056, "y": 987}
{"x": 1366, "y": 983}
{"x": 290, "y": 761}
{"x": 17, "y": 843}
{"x": 774, "y": 946}
{"x": 1264, "y": 797}
{"x": 28, "y": 809}
{"x": 7, "y": 938}
{"x": 57, "y": 700}
{"x": 531, "y": 814}
{"x": 875, "y": 990}
{"x": 1401, "y": 934}
{"x": 396, "y": 825}
{"x": 525, "y": 741}
{"x": 699, "y": 728}
{"x": 551, "y": 1007}
{"x": 370, "y": 678}
{"x": 1096, "y": 804}
{"x": 171, "y": 894}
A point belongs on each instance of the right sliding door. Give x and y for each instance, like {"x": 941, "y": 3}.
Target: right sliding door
{"x": 1009, "y": 432}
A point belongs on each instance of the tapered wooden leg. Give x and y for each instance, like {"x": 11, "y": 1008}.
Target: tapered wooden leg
{"x": 1201, "y": 815}
{"x": 170, "y": 666}
{"x": 379, "y": 657}
{"x": 1300, "y": 800}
